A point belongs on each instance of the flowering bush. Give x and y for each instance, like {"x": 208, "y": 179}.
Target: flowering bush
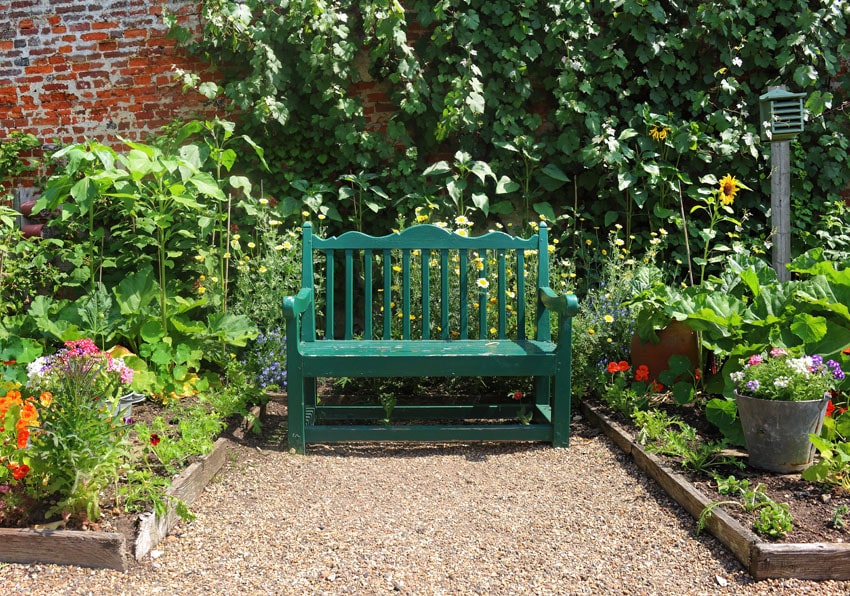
{"x": 779, "y": 376}
{"x": 265, "y": 360}
{"x": 62, "y": 449}
{"x": 81, "y": 371}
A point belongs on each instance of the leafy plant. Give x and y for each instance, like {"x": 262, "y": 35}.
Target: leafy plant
{"x": 774, "y": 519}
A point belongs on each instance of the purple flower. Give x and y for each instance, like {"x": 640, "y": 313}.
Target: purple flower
{"x": 835, "y": 368}
{"x": 752, "y": 386}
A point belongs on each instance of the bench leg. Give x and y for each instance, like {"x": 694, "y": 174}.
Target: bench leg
{"x": 295, "y": 411}
{"x": 543, "y": 391}
{"x": 561, "y": 410}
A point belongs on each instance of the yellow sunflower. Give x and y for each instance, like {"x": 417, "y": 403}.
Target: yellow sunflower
{"x": 658, "y": 132}
{"x": 729, "y": 186}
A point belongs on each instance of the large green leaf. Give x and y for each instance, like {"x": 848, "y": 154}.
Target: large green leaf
{"x": 231, "y": 329}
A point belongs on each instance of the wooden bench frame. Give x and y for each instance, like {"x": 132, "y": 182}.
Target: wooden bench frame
{"x": 444, "y": 352}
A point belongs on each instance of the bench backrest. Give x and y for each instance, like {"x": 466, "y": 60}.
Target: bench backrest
{"x": 441, "y": 269}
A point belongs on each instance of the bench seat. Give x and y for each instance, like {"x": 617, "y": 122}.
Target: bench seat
{"x": 434, "y": 358}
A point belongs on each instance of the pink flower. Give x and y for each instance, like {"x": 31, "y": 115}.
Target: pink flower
{"x": 754, "y": 360}
{"x": 777, "y": 352}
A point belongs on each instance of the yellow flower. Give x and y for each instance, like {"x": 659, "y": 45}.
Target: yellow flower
{"x": 287, "y": 245}
{"x": 588, "y": 241}
{"x": 251, "y": 245}
{"x": 462, "y": 232}
{"x": 321, "y": 216}
{"x": 264, "y": 201}
{"x": 658, "y": 132}
{"x": 201, "y": 290}
{"x": 729, "y": 186}
{"x": 591, "y": 331}
{"x": 305, "y": 213}
{"x": 202, "y": 277}
{"x": 262, "y": 269}
{"x": 397, "y": 268}
{"x": 199, "y": 258}
{"x": 609, "y": 319}
{"x": 236, "y": 237}
{"x": 274, "y": 222}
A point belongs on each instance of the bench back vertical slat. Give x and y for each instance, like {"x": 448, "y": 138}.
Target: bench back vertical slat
{"x": 388, "y": 294}
{"x": 349, "y": 294}
{"x": 330, "y": 307}
{"x": 544, "y": 327}
{"x": 425, "y": 284}
{"x": 502, "y": 293}
{"x": 520, "y": 294}
{"x": 367, "y": 294}
{"x": 444, "y": 294}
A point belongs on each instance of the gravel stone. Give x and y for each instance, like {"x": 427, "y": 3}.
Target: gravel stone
{"x": 431, "y": 519}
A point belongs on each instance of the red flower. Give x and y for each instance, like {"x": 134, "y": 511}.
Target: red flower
{"x": 18, "y": 472}
{"x": 697, "y": 374}
{"x": 657, "y": 387}
{"x": 642, "y": 373}
{"x": 518, "y": 395}
{"x": 9, "y": 362}
{"x": 830, "y": 409}
{"x": 154, "y": 439}
{"x": 615, "y": 367}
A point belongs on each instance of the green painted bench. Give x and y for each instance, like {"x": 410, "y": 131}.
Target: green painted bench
{"x": 476, "y": 324}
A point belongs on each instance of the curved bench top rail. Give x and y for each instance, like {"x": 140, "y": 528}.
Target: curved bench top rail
{"x": 423, "y": 235}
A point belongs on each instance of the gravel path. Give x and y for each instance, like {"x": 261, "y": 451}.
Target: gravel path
{"x": 427, "y": 519}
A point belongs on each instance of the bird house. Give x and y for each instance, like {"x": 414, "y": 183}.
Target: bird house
{"x": 781, "y": 115}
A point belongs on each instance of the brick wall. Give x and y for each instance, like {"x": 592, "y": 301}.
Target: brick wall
{"x": 77, "y": 69}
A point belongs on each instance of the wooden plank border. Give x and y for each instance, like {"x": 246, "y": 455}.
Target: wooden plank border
{"x": 763, "y": 560}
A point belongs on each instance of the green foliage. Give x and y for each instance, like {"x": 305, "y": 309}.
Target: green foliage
{"x": 833, "y": 465}
{"x": 11, "y": 162}
{"x": 152, "y": 224}
{"x": 630, "y": 102}
{"x": 774, "y": 519}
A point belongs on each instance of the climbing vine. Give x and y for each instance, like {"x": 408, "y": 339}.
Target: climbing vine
{"x": 605, "y": 111}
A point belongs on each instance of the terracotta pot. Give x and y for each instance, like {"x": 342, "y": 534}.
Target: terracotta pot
{"x": 32, "y": 230}
{"x": 26, "y": 207}
{"x": 675, "y": 339}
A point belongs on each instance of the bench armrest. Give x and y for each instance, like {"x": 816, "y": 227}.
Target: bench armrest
{"x": 566, "y": 305}
{"x": 298, "y": 304}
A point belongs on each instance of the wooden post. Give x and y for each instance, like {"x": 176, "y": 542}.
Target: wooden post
{"x": 780, "y": 206}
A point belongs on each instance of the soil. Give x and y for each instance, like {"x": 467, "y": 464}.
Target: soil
{"x": 812, "y": 506}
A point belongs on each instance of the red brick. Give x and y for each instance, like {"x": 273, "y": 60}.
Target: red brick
{"x": 94, "y": 36}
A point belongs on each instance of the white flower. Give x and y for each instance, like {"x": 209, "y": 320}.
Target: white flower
{"x": 482, "y": 283}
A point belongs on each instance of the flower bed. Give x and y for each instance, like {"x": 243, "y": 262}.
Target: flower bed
{"x": 132, "y": 536}
{"x": 764, "y": 559}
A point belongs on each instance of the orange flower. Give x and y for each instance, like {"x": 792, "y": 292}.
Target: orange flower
{"x": 23, "y": 438}
{"x": 46, "y": 398}
{"x": 642, "y": 373}
{"x": 18, "y": 472}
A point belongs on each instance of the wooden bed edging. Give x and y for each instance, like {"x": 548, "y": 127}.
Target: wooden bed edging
{"x": 763, "y": 560}
{"x": 108, "y": 550}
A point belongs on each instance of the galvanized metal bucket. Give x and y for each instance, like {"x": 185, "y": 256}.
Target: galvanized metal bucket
{"x": 777, "y": 432}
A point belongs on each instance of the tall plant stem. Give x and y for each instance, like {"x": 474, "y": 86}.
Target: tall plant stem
{"x": 685, "y": 233}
